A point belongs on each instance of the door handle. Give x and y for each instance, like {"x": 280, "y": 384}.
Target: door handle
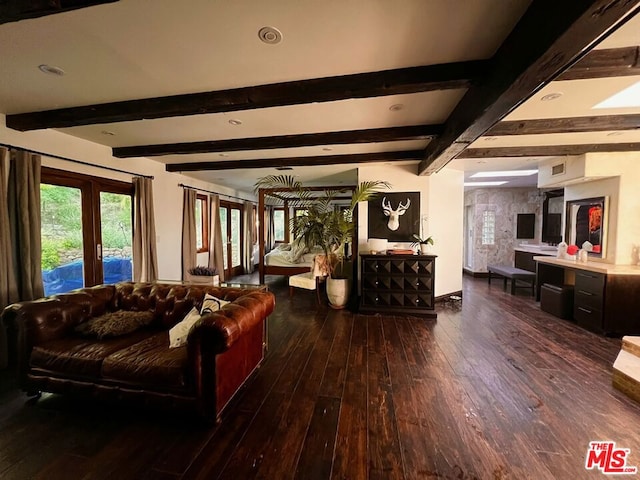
{"x": 99, "y": 251}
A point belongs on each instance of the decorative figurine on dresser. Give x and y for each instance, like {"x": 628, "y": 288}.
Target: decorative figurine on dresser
{"x": 398, "y": 284}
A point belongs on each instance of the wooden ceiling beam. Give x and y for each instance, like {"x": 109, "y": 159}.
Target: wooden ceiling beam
{"x": 540, "y": 48}
{"x": 361, "y": 85}
{"x": 14, "y": 10}
{"x": 611, "y": 62}
{"x": 414, "y": 132}
{"x": 599, "y": 123}
{"x": 296, "y": 161}
{"x": 549, "y": 150}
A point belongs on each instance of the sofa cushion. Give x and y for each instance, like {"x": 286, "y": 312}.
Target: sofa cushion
{"x": 212, "y": 304}
{"x": 78, "y": 357}
{"x": 149, "y": 363}
{"x": 180, "y": 331}
{"x": 114, "y": 324}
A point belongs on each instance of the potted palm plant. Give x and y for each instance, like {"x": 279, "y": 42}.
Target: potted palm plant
{"x": 325, "y": 225}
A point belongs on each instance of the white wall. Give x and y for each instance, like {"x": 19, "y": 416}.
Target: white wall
{"x": 623, "y": 224}
{"x": 441, "y": 199}
{"x": 167, "y": 195}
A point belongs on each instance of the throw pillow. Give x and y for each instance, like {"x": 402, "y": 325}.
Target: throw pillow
{"x": 114, "y": 324}
{"x": 180, "y": 331}
{"x": 211, "y": 304}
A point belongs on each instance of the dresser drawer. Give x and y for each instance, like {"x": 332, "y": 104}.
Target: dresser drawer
{"x": 587, "y": 299}
{"x": 590, "y": 282}
{"x": 589, "y": 318}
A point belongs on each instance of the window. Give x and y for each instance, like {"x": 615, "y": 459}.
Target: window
{"x": 202, "y": 224}
{"x": 488, "y": 227}
{"x": 86, "y": 230}
{"x": 279, "y": 224}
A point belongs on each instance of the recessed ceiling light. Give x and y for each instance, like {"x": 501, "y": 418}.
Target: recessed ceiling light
{"x": 270, "y": 35}
{"x": 629, "y": 97}
{"x": 484, "y": 184}
{"x": 551, "y": 96}
{"x": 223, "y": 154}
{"x": 397, "y": 107}
{"x": 490, "y": 139}
{"x": 481, "y": 161}
{"x": 234, "y": 121}
{"x": 614, "y": 134}
{"x": 51, "y": 70}
{"x": 505, "y": 173}
{"x": 327, "y": 149}
{"x": 108, "y": 133}
{"x": 284, "y": 168}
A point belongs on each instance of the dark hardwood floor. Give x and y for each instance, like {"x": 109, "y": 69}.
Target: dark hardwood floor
{"x": 493, "y": 389}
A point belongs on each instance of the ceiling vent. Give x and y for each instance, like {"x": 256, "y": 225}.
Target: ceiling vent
{"x": 558, "y": 169}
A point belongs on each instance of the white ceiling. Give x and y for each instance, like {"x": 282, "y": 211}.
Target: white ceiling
{"x": 135, "y": 49}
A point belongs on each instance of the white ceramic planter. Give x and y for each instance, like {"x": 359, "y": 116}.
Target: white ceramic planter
{"x": 425, "y": 248}
{"x": 338, "y": 292}
{"x": 205, "y": 279}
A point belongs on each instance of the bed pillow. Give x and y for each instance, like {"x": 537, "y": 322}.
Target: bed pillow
{"x": 211, "y": 304}
{"x": 283, "y": 247}
{"x": 114, "y": 324}
{"x": 180, "y": 331}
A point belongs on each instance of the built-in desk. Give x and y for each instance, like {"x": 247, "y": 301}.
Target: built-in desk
{"x": 606, "y": 297}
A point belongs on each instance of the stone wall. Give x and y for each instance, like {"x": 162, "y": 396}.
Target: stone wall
{"x": 71, "y": 255}
{"x": 506, "y": 203}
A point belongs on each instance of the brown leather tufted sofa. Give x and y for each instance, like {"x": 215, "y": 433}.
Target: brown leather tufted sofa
{"x": 222, "y": 351}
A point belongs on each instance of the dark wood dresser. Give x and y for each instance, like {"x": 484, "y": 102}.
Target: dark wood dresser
{"x": 398, "y": 284}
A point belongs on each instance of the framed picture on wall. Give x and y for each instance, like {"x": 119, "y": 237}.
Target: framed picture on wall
{"x": 394, "y": 216}
{"x": 587, "y": 225}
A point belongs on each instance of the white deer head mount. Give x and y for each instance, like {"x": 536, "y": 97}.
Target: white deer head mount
{"x": 394, "y": 221}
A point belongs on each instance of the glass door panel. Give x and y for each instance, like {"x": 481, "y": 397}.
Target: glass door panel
{"x": 62, "y": 241}
{"x": 236, "y": 246}
{"x": 225, "y": 237}
{"x": 117, "y": 234}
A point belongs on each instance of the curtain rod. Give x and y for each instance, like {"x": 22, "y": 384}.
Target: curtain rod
{"x": 216, "y": 193}
{"x": 66, "y": 159}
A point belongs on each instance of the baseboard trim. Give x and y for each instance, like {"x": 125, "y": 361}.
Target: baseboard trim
{"x": 475, "y": 274}
{"x": 447, "y": 297}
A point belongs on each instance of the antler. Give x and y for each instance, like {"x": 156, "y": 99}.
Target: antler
{"x": 403, "y": 208}
{"x": 387, "y": 207}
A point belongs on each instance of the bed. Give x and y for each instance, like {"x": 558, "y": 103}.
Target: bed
{"x": 275, "y": 262}
{"x": 281, "y": 261}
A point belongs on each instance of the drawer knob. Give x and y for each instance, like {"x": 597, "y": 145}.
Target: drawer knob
{"x": 586, "y": 293}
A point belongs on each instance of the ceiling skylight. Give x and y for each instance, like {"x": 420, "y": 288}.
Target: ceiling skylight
{"x": 484, "y": 184}
{"x": 629, "y": 97}
{"x": 504, "y": 173}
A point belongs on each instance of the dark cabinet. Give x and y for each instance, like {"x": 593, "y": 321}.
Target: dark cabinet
{"x": 398, "y": 284}
{"x": 603, "y": 302}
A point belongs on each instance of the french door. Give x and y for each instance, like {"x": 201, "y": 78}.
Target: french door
{"x": 232, "y": 238}
{"x": 86, "y": 230}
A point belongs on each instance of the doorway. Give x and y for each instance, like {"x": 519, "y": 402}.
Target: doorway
{"x": 232, "y": 238}
{"x": 86, "y": 230}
